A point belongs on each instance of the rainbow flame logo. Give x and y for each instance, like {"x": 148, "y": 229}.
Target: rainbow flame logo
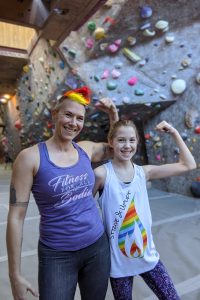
{"x": 130, "y": 228}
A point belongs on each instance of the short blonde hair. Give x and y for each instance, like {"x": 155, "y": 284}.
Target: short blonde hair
{"x": 56, "y": 106}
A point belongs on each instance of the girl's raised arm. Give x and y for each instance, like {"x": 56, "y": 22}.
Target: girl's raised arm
{"x": 186, "y": 160}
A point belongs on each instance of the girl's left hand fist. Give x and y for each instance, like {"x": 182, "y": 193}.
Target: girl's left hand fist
{"x": 165, "y": 127}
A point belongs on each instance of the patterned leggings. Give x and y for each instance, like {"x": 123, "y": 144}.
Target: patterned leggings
{"x": 157, "y": 279}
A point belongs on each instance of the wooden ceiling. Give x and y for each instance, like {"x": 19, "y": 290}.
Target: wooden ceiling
{"x": 52, "y": 20}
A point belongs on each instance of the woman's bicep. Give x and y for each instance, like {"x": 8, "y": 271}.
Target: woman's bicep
{"x": 22, "y": 179}
{"x": 96, "y": 151}
{"x": 100, "y": 175}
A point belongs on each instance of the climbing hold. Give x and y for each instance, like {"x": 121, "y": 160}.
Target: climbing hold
{"x": 184, "y": 136}
{"x": 195, "y": 189}
{"x": 147, "y": 136}
{"x": 148, "y": 32}
{"x": 139, "y": 92}
{"x": 158, "y": 157}
{"x": 18, "y": 124}
{"x": 197, "y": 130}
{"x": 156, "y": 138}
{"x": 105, "y": 74}
{"x": 89, "y": 43}
{"x": 118, "y": 42}
{"x": 157, "y": 145}
{"x": 96, "y": 78}
{"x": 91, "y": 25}
{"x": 113, "y": 48}
{"x": 103, "y": 46}
{"x": 132, "y": 81}
{"x": 88, "y": 124}
{"x": 145, "y": 26}
{"x": 99, "y": 33}
{"x": 41, "y": 60}
{"x": 173, "y": 76}
{"x": 191, "y": 117}
{"x": 72, "y": 53}
{"x": 131, "y": 40}
{"x": 109, "y": 20}
{"x": 194, "y": 140}
{"x": 162, "y": 96}
{"x": 126, "y": 100}
{"x": 198, "y": 78}
{"x": 111, "y": 85}
{"x": 186, "y": 62}
{"x": 26, "y": 68}
{"x": 46, "y": 112}
{"x": 131, "y": 55}
{"x": 178, "y": 86}
{"x": 142, "y": 63}
{"x": 162, "y": 25}
{"x": 169, "y": 39}
{"x": 176, "y": 150}
{"x": 118, "y": 65}
{"x": 108, "y": 4}
{"x": 115, "y": 74}
{"x": 65, "y": 48}
{"x": 61, "y": 64}
{"x": 146, "y": 12}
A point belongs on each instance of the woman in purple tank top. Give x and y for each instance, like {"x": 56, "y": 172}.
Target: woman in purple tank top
{"x": 72, "y": 247}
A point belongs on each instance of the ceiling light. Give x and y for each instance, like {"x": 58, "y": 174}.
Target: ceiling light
{"x": 3, "y": 100}
{"x": 7, "y": 96}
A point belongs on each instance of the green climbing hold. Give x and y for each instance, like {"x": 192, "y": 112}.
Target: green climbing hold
{"x": 91, "y": 26}
{"x": 139, "y": 92}
{"x": 111, "y": 85}
{"x": 96, "y": 78}
{"x": 72, "y": 53}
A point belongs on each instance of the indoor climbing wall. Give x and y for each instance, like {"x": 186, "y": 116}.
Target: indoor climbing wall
{"x": 145, "y": 54}
{"x": 142, "y": 54}
{"x": 40, "y": 78}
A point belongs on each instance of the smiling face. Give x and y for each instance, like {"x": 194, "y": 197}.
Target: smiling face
{"x": 124, "y": 143}
{"x": 69, "y": 119}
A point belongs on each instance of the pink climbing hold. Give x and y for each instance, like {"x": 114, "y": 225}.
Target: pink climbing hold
{"x": 113, "y": 48}
{"x": 118, "y": 42}
{"x": 132, "y": 81}
{"x": 105, "y": 74}
{"x": 115, "y": 74}
{"x": 158, "y": 157}
{"x": 89, "y": 43}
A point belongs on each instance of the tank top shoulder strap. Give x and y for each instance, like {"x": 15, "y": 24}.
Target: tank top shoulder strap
{"x": 109, "y": 171}
{"x": 80, "y": 150}
{"x": 44, "y": 156}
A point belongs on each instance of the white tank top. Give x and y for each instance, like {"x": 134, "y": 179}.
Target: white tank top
{"x": 127, "y": 218}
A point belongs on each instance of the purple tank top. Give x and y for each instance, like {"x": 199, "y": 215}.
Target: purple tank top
{"x": 70, "y": 219}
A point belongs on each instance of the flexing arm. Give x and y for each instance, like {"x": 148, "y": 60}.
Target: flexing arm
{"x": 107, "y": 105}
{"x": 101, "y": 151}
{"x": 186, "y": 160}
{"x": 19, "y": 197}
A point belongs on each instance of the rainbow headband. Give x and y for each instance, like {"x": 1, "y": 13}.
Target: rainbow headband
{"x": 80, "y": 95}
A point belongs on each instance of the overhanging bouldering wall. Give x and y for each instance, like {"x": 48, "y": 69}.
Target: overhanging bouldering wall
{"x": 146, "y": 53}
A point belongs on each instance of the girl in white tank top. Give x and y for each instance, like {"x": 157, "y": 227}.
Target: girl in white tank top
{"x": 126, "y": 212}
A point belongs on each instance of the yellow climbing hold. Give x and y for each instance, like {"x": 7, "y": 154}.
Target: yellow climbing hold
{"x": 99, "y": 33}
{"x": 131, "y": 55}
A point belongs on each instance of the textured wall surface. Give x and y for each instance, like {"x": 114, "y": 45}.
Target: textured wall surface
{"x": 161, "y": 63}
